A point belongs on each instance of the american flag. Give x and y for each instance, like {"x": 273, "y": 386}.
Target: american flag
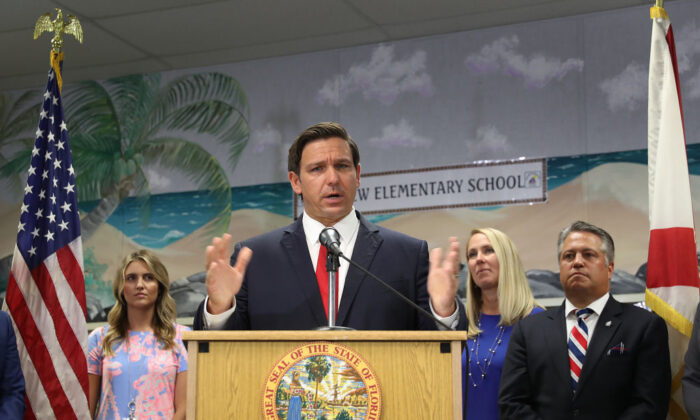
{"x": 46, "y": 290}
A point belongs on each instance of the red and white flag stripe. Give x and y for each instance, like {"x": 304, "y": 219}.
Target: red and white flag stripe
{"x": 49, "y": 314}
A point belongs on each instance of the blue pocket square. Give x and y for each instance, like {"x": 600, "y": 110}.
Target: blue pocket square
{"x": 617, "y": 350}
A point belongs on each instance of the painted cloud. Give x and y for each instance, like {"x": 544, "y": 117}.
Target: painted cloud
{"x": 489, "y": 144}
{"x": 687, "y": 48}
{"x": 537, "y": 70}
{"x": 265, "y": 138}
{"x": 157, "y": 182}
{"x": 628, "y": 89}
{"x": 401, "y": 134}
{"x": 382, "y": 78}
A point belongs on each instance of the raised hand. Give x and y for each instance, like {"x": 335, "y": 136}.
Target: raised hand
{"x": 442, "y": 279}
{"x": 223, "y": 280}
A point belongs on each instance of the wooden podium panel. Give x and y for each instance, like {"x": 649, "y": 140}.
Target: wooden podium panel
{"x": 419, "y": 372}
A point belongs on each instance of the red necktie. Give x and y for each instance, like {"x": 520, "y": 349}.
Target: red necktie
{"x": 322, "y": 278}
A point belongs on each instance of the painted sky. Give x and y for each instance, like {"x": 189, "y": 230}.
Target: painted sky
{"x": 559, "y": 87}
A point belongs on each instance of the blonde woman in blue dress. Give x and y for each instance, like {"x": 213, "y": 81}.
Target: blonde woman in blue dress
{"x": 498, "y": 296}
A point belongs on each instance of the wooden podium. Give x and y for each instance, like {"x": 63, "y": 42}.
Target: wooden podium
{"x": 418, "y": 372}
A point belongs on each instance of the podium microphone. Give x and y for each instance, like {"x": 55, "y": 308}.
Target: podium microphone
{"x": 330, "y": 239}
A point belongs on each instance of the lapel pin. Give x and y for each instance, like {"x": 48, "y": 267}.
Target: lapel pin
{"x": 609, "y": 323}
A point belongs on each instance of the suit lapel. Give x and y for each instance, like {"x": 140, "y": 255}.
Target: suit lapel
{"x": 557, "y": 341}
{"x": 293, "y": 243}
{"x": 608, "y": 323}
{"x": 366, "y": 246}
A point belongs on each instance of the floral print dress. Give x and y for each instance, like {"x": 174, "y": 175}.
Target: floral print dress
{"x": 141, "y": 371}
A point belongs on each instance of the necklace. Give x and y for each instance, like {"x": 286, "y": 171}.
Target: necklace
{"x": 483, "y": 362}
{"x": 132, "y": 402}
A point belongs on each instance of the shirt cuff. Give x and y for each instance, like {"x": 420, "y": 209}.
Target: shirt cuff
{"x": 216, "y": 322}
{"x": 452, "y": 321}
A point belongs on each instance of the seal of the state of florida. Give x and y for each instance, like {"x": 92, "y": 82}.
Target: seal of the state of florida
{"x": 322, "y": 380}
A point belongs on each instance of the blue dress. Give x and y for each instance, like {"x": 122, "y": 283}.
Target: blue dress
{"x": 482, "y": 392}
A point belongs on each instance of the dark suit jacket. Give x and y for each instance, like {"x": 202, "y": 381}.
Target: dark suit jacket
{"x": 11, "y": 378}
{"x": 691, "y": 372}
{"x": 634, "y": 384}
{"x": 280, "y": 291}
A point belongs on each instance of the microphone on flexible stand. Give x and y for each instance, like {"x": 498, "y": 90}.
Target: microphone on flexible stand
{"x": 330, "y": 239}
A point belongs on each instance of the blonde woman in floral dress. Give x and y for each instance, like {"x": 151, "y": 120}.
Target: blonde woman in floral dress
{"x": 137, "y": 364}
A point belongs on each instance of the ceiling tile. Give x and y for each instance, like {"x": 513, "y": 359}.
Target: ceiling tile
{"x": 130, "y": 36}
{"x": 96, "y": 9}
{"x": 403, "y": 11}
{"x": 228, "y": 24}
{"x": 337, "y": 40}
{"x": 23, "y": 14}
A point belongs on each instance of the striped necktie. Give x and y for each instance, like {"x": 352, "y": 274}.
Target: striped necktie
{"x": 578, "y": 343}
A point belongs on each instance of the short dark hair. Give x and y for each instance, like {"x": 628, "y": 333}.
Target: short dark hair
{"x": 323, "y": 130}
{"x": 607, "y": 245}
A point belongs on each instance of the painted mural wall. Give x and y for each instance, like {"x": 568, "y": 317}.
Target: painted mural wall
{"x": 166, "y": 161}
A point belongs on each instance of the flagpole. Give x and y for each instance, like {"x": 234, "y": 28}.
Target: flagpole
{"x": 673, "y": 283}
{"x": 45, "y": 293}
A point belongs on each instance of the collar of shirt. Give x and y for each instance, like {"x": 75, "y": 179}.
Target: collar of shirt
{"x": 347, "y": 228}
{"x": 597, "y": 307}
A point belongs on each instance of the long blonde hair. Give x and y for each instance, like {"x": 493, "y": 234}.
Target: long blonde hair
{"x": 515, "y": 299}
{"x": 163, "y": 316}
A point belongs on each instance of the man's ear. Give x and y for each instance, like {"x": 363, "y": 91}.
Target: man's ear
{"x": 295, "y": 181}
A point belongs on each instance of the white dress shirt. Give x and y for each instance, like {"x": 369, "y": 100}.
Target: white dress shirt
{"x": 571, "y": 318}
{"x": 347, "y": 228}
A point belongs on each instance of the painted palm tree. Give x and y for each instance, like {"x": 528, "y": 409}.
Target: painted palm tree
{"x": 19, "y": 115}
{"x": 317, "y": 367}
{"x": 122, "y": 126}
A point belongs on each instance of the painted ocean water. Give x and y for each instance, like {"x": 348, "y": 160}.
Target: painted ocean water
{"x": 176, "y": 215}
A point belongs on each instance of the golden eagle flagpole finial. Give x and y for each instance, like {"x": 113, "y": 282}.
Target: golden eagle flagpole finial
{"x": 59, "y": 27}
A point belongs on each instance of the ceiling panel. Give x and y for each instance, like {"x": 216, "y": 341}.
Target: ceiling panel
{"x": 405, "y": 11}
{"x": 232, "y": 24}
{"x": 131, "y": 36}
{"x": 97, "y": 9}
{"x": 16, "y": 15}
{"x": 326, "y": 42}
{"x": 98, "y": 47}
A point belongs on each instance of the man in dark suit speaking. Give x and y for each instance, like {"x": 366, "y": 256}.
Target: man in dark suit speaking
{"x": 593, "y": 357}
{"x": 278, "y": 281}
